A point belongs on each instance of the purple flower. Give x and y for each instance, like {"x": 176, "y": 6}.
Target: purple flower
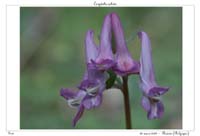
{"x": 151, "y": 91}
{"x": 91, "y": 49}
{"x": 125, "y": 64}
{"x": 74, "y": 100}
{"x": 94, "y": 80}
{"x": 105, "y": 59}
{"x": 153, "y": 106}
{"x": 91, "y": 87}
{"x": 88, "y": 96}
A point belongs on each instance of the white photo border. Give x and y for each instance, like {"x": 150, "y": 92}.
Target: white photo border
{"x": 13, "y": 75}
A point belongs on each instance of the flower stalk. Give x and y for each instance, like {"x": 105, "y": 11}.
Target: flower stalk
{"x": 126, "y": 102}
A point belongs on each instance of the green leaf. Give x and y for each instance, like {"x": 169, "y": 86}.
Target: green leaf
{"x": 111, "y": 79}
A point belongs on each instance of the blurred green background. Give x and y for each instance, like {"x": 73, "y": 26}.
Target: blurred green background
{"x": 52, "y": 56}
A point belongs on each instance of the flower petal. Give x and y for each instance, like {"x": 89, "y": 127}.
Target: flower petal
{"x": 146, "y": 65}
{"x": 147, "y": 76}
{"x": 78, "y": 115}
{"x": 160, "y": 111}
{"x": 146, "y": 104}
{"x": 157, "y": 91}
{"x": 92, "y": 102}
{"x": 91, "y": 49}
{"x": 87, "y": 84}
{"x": 77, "y": 99}
{"x": 67, "y": 93}
{"x": 157, "y": 110}
{"x": 105, "y": 59}
{"x": 125, "y": 64}
{"x": 119, "y": 34}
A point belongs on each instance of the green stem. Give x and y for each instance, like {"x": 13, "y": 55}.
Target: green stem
{"x": 126, "y": 102}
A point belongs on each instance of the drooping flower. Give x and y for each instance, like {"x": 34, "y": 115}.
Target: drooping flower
{"x": 151, "y": 100}
{"x": 124, "y": 63}
{"x": 91, "y": 87}
{"x": 94, "y": 80}
{"x": 74, "y": 100}
{"x": 105, "y": 59}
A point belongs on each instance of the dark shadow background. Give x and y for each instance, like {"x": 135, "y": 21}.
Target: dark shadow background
{"x": 52, "y": 56}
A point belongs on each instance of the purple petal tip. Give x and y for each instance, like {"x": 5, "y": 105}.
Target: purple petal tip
{"x": 67, "y": 93}
{"x": 157, "y": 111}
{"x": 157, "y": 91}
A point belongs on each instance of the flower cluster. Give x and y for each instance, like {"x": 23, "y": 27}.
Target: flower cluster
{"x": 102, "y": 62}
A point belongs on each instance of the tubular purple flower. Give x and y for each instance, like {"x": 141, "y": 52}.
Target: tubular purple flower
{"x": 81, "y": 100}
{"x": 91, "y": 49}
{"x": 88, "y": 96}
{"x": 151, "y": 91}
{"x": 105, "y": 59}
{"x": 91, "y": 87}
{"x": 93, "y": 77}
{"x": 125, "y": 64}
